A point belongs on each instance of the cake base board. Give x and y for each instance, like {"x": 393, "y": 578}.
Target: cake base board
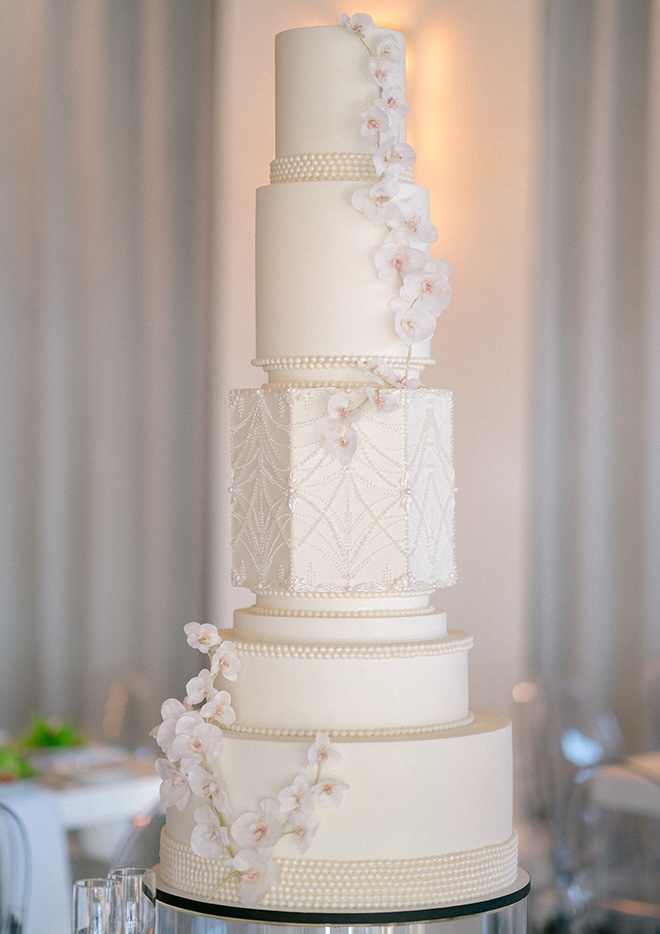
{"x": 173, "y": 903}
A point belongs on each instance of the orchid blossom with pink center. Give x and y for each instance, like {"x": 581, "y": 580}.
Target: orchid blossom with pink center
{"x": 209, "y": 838}
{"x": 225, "y": 661}
{"x": 329, "y": 792}
{"x": 202, "y": 636}
{"x": 257, "y": 873}
{"x": 261, "y": 830}
{"x": 297, "y": 796}
{"x": 174, "y": 787}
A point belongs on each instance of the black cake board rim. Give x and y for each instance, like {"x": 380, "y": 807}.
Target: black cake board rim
{"x": 504, "y": 898}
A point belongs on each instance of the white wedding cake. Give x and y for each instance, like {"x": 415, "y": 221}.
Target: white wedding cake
{"x": 326, "y": 758}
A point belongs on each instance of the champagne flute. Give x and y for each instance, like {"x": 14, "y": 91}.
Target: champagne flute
{"x": 137, "y": 896}
{"x": 95, "y": 906}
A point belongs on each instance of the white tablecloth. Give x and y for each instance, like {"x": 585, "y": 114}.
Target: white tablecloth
{"x": 632, "y": 786}
{"x": 87, "y": 800}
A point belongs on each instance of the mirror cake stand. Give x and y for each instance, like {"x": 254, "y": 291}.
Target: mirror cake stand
{"x": 503, "y": 913}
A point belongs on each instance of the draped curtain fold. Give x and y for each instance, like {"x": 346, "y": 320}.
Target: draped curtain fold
{"x": 105, "y": 169}
{"x": 596, "y": 566}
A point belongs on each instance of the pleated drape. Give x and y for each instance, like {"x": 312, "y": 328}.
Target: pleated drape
{"x": 105, "y": 176}
{"x": 596, "y": 570}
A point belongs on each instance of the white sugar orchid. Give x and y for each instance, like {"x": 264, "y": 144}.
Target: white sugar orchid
{"x": 382, "y": 373}
{"x": 397, "y": 258}
{"x": 429, "y": 287}
{"x": 341, "y": 444}
{"x": 423, "y": 291}
{"x": 196, "y": 742}
{"x": 412, "y": 218}
{"x": 322, "y": 753}
{"x": 412, "y": 323}
{"x": 225, "y": 661}
{"x": 360, "y": 23}
{"x": 377, "y": 370}
{"x": 392, "y": 156}
{"x": 261, "y": 829}
{"x": 174, "y": 787}
{"x": 377, "y": 203}
{"x": 165, "y": 732}
{"x": 393, "y": 102}
{"x": 219, "y": 708}
{"x": 341, "y": 408}
{"x": 388, "y": 48}
{"x": 374, "y": 123}
{"x": 257, "y": 873}
{"x": 200, "y": 688}
{"x": 330, "y": 792}
{"x": 381, "y": 402}
{"x": 205, "y": 784}
{"x": 297, "y": 796}
{"x": 202, "y": 636}
{"x": 302, "y": 828}
{"x": 384, "y": 72}
{"x": 209, "y": 838}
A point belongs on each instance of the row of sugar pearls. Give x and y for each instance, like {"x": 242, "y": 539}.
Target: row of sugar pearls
{"x": 312, "y": 361}
{"x": 416, "y": 892}
{"x": 335, "y": 614}
{"x": 387, "y": 650}
{"x": 355, "y": 733}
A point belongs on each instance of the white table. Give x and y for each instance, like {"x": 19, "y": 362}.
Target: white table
{"x": 631, "y": 787}
{"x": 96, "y": 792}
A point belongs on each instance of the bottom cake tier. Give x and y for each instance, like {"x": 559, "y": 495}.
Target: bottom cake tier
{"x": 421, "y": 820}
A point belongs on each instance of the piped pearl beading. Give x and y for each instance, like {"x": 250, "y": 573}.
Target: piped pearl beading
{"x": 339, "y": 885}
{"x": 320, "y": 362}
{"x": 327, "y": 167}
{"x": 432, "y": 647}
{"x": 257, "y": 610}
{"x": 357, "y": 733}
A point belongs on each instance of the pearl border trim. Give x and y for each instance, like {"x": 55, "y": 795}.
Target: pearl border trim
{"x": 319, "y": 363}
{"x": 396, "y": 613}
{"x": 338, "y": 885}
{"x": 432, "y": 647}
{"x": 327, "y": 167}
{"x": 355, "y": 733}
{"x": 256, "y": 588}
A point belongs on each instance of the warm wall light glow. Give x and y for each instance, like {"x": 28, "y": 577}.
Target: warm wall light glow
{"x": 430, "y": 102}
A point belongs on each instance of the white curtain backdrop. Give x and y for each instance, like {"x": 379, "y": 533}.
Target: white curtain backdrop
{"x": 106, "y": 120}
{"x": 105, "y": 168}
{"x": 596, "y": 570}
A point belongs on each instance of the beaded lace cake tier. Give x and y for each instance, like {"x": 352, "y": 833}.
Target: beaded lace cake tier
{"x": 304, "y": 523}
{"x": 337, "y": 885}
{"x": 331, "y": 166}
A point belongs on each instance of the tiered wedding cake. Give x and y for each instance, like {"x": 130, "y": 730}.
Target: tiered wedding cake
{"x": 327, "y": 759}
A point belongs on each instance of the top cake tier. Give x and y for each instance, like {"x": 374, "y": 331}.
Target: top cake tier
{"x": 343, "y": 269}
{"x": 323, "y": 84}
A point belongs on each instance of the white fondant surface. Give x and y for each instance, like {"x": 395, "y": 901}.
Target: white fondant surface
{"x": 318, "y": 291}
{"x": 256, "y": 623}
{"x": 354, "y": 687}
{"x": 323, "y": 85}
{"x": 407, "y": 797}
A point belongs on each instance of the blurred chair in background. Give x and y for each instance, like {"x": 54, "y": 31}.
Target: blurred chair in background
{"x": 559, "y": 731}
{"x": 612, "y": 861}
{"x": 651, "y": 704}
{"x": 15, "y": 875}
{"x": 140, "y": 846}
